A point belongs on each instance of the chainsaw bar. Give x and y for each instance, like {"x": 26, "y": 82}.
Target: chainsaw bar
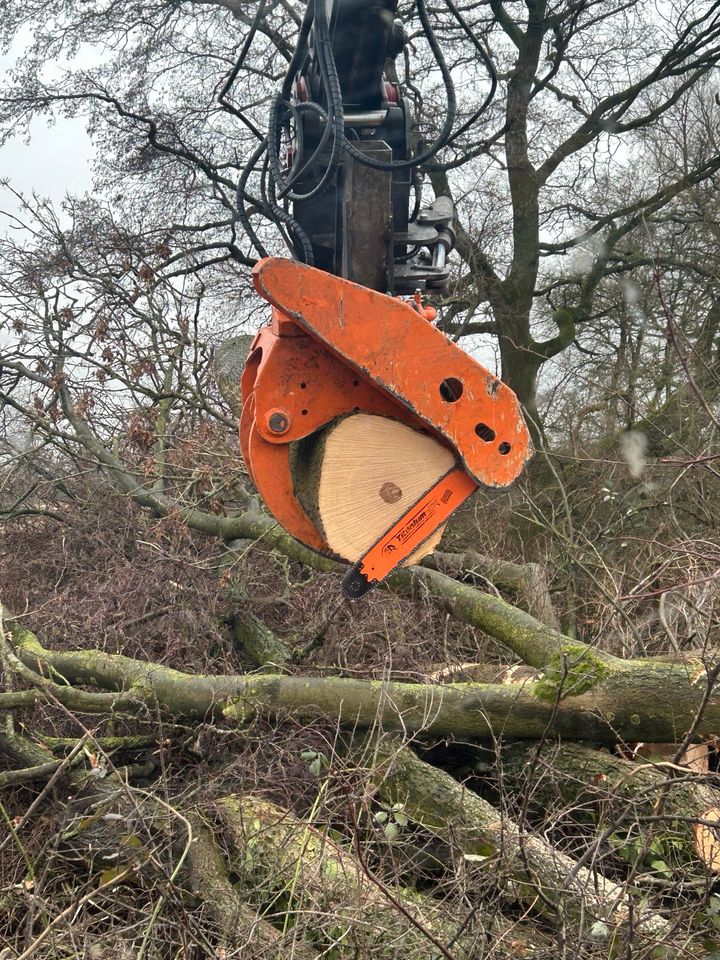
{"x": 409, "y": 532}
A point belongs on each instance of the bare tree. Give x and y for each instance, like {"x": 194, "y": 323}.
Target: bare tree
{"x": 178, "y": 104}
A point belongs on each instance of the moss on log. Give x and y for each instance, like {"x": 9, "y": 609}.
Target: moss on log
{"x": 258, "y": 642}
{"x": 239, "y": 924}
{"x": 587, "y": 697}
{"x": 528, "y": 581}
{"x": 527, "y": 867}
{"x": 319, "y": 885}
{"x": 533, "y": 642}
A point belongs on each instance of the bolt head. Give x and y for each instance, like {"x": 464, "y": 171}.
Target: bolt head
{"x": 278, "y": 421}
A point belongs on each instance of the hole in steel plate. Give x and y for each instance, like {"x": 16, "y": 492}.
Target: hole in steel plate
{"x": 451, "y": 389}
{"x": 485, "y": 432}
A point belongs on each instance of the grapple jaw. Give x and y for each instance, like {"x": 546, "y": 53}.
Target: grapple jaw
{"x": 334, "y": 348}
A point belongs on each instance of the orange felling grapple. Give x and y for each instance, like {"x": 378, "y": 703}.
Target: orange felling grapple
{"x": 333, "y": 348}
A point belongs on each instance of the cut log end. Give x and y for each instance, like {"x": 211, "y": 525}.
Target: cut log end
{"x": 707, "y": 840}
{"x": 356, "y": 477}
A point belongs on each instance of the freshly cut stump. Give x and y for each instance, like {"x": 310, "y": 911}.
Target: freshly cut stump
{"x": 358, "y": 475}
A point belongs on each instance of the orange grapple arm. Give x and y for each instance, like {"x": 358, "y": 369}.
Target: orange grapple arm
{"x": 334, "y": 347}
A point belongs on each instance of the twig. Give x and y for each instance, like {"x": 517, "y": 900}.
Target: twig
{"x": 389, "y": 894}
{"x": 62, "y": 765}
{"x": 68, "y": 911}
{"x": 316, "y": 641}
{"x": 672, "y": 334}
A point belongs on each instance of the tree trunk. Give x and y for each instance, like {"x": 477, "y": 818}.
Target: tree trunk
{"x": 582, "y": 694}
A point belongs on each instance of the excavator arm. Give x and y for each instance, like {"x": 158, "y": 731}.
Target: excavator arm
{"x": 363, "y": 426}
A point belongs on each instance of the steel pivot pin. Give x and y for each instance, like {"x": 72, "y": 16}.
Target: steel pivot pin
{"x": 278, "y": 421}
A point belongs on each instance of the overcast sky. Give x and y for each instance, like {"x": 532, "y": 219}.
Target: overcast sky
{"x": 54, "y": 163}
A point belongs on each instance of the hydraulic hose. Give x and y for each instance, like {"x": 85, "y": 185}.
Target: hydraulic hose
{"x": 283, "y": 217}
{"x": 240, "y": 195}
{"x": 298, "y": 52}
{"x": 450, "y": 114}
{"x": 335, "y": 125}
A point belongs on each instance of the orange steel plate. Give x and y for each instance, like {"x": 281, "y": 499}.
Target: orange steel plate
{"x": 300, "y": 377}
{"x": 389, "y": 343}
{"x": 291, "y": 373}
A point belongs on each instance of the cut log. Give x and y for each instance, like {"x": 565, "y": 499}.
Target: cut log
{"x": 357, "y": 476}
{"x": 679, "y": 813}
{"x": 707, "y": 839}
{"x": 696, "y": 756}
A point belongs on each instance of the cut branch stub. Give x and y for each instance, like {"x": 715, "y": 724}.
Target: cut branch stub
{"x": 707, "y": 839}
{"x": 358, "y": 475}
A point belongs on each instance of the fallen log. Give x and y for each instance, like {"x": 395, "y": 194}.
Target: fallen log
{"x": 118, "y": 830}
{"x": 668, "y": 811}
{"x": 310, "y": 878}
{"x": 534, "y": 642}
{"x": 258, "y": 642}
{"x": 527, "y": 868}
{"x": 528, "y": 581}
{"x": 588, "y": 697}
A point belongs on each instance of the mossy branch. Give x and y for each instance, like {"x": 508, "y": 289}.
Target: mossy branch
{"x": 527, "y": 867}
{"x": 306, "y": 872}
{"x": 584, "y": 696}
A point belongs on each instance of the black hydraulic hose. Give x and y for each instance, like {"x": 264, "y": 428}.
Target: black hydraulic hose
{"x": 283, "y": 217}
{"x": 331, "y": 83}
{"x": 289, "y": 243}
{"x": 335, "y": 125}
{"x": 281, "y": 183}
{"x": 489, "y": 66}
{"x": 297, "y": 172}
{"x": 450, "y": 114}
{"x": 298, "y": 52}
{"x": 275, "y": 124}
{"x": 242, "y": 216}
